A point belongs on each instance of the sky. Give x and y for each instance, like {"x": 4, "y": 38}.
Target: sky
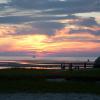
{"x": 50, "y": 28}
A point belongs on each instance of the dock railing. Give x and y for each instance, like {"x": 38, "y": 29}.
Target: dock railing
{"x": 67, "y": 65}
{"x": 77, "y": 65}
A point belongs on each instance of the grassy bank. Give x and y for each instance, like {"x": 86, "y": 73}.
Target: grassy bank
{"x": 28, "y": 80}
{"x": 88, "y": 74}
{"x": 47, "y": 86}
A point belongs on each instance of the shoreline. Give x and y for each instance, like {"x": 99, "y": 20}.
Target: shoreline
{"x": 49, "y": 96}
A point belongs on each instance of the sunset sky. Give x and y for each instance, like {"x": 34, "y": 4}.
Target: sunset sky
{"x": 50, "y": 28}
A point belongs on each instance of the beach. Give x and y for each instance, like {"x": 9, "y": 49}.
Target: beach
{"x": 48, "y": 96}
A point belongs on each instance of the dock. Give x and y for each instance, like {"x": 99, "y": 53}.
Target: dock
{"x": 66, "y": 65}
{"x": 52, "y": 65}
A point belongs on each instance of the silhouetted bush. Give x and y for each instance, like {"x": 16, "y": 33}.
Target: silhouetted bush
{"x": 97, "y": 63}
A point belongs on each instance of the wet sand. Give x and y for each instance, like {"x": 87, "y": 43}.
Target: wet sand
{"x": 49, "y": 96}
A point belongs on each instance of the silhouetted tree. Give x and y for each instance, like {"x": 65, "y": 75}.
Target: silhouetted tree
{"x": 97, "y": 63}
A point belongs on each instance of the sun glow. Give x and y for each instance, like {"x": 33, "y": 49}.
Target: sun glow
{"x": 61, "y": 41}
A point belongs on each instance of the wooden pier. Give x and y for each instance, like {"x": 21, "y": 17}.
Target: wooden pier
{"x": 67, "y": 65}
{"x": 60, "y": 65}
{"x": 77, "y": 65}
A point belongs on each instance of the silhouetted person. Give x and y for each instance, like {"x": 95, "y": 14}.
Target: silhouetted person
{"x": 63, "y": 66}
{"x": 88, "y": 60}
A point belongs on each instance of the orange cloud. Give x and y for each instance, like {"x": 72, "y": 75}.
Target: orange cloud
{"x": 61, "y": 41}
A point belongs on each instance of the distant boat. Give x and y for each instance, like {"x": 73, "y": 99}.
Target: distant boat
{"x": 34, "y": 56}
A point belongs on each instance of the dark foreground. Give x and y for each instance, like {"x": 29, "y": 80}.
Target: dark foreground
{"x": 48, "y": 96}
{"x": 49, "y": 81}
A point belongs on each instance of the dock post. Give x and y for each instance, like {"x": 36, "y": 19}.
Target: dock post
{"x": 85, "y": 65}
{"x": 78, "y": 68}
{"x": 70, "y": 66}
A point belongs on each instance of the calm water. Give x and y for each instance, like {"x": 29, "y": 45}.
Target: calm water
{"x": 47, "y": 58}
{"x": 37, "y": 60}
{"x": 49, "y": 96}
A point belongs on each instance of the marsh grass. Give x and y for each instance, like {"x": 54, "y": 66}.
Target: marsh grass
{"x": 28, "y": 80}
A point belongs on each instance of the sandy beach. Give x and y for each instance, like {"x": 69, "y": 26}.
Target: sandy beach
{"x": 48, "y": 96}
